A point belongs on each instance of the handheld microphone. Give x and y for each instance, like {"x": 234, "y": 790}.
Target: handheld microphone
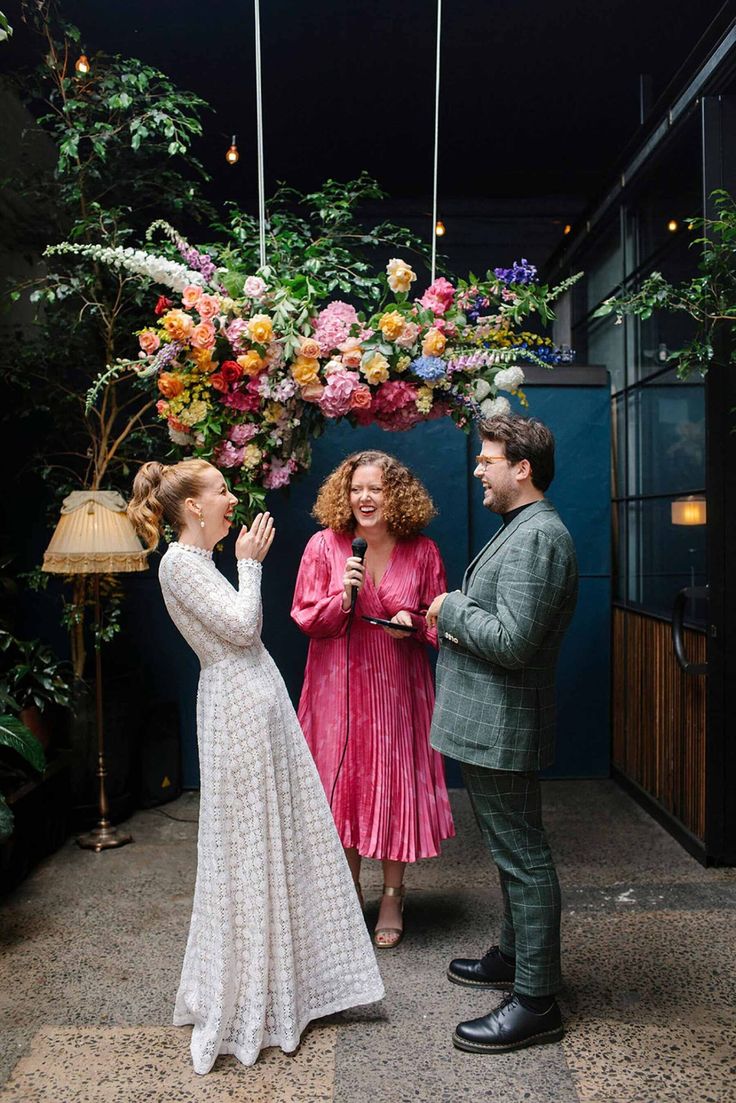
{"x": 360, "y": 547}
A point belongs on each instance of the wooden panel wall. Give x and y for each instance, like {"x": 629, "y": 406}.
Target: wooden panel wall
{"x": 659, "y": 716}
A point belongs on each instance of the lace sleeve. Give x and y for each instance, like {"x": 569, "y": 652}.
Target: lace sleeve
{"x": 232, "y": 614}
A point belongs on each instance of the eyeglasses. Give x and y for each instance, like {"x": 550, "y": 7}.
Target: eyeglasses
{"x": 486, "y": 461}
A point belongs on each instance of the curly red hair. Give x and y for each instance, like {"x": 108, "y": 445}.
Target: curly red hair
{"x": 407, "y": 506}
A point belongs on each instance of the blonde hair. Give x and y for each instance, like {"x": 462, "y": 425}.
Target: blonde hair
{"x": 407, "y": 505}
{"x": 159, "y": 493}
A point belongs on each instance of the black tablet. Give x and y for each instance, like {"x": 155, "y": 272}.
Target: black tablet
{"x": 389, "y": 624}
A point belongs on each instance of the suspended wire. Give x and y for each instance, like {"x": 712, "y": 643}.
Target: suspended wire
{"x": 436, "y": 136}
{"x": 259, "y": 125}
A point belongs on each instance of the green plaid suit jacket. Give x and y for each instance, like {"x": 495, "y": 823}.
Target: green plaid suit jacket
{"x": 500, "y": 636}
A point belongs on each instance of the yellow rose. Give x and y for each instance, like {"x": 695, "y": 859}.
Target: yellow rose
{"x": 376, "y": 369}
{"x": 251, "y": 362}
{"x": 203, "y": 359}
{"x": 403, "y": 363}
{"x": 391, "y": 325}
{"x": 177, "y": 324}
{"x": 305, "y": 370}
{"x": 400, "y": 275}
{"x": 260, "y": 329}
{"x": 433, "y": 343}
{"x": 251, "y": 455}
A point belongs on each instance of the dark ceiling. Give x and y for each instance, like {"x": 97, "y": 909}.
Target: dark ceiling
{"x": 538, "y": 97}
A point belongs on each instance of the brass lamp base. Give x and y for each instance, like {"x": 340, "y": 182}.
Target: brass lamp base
{"x": 103, "y": 837}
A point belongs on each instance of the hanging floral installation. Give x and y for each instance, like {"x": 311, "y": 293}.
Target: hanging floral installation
{"x": 246, "y": 371}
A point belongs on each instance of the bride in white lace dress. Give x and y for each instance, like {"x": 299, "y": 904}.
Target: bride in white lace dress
{"x": 277, "y": 936}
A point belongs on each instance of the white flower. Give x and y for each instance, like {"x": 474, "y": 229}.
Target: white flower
{"x": 159, "y": 269}
{"x": 492, "y": 407}
{"x": 481, "y": 389}
{"x": 179, "y": 438}
{"x": 509, "y": 379}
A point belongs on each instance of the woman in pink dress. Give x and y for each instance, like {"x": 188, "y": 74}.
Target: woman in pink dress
{"x": 385, "y": 783}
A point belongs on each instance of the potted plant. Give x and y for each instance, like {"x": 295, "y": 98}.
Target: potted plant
{"x": 17, "y": 737}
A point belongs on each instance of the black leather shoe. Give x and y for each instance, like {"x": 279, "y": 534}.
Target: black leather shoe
{"x": 509, "y": 1027}
{"x": 490, "y": 971}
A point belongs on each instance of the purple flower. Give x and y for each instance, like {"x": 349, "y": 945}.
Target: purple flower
{"x": 519, "y": 272}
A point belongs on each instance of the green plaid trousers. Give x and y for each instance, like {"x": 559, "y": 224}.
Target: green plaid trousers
{"x": 508, "y": 807}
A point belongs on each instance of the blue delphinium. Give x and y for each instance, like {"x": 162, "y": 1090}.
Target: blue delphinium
{"x": 521, "y": 272}
{"x": 430, "y": 368}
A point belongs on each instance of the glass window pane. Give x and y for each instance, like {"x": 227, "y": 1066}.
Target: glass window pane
{"x": 663, "y": 557}
{"x": 666, "y": 434}
{"x": 606, "y": 346}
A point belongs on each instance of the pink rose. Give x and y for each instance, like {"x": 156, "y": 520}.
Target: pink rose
{"x": 242, "y": 400}
{"x": 308, "y": 347}
{"x": 312, "y": 392}
{"x": 361, "y": 398}
{"x": 149, "y": 341}
{"x": 190, "y": 295}
{"x": 352, "y": 352}
{"x": 237, "y": 334}
{"x": 409, "y": 335}
{"x": 203, "y": 336}
{"x": 439, "y": 296}
{"x": 254, "y": 287}
{"x": 207, "y": 306}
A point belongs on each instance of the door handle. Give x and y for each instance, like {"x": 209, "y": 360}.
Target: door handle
{"x": 678, "y": 624}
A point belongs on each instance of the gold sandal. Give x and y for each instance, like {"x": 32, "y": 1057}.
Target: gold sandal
{"x": 389, "y": 943}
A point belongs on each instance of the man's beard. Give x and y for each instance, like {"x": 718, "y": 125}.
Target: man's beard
{"x": 501, "y": 501}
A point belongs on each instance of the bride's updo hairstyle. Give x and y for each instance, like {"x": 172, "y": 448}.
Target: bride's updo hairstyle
{"x": 159, "y": 494}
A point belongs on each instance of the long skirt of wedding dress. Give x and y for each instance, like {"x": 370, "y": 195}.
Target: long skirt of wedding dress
{"x": 277, "y": 937}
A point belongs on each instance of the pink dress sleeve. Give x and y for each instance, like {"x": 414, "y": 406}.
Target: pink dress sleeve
{"x": 433, "y": 581}
{"x": 317, "y": 605}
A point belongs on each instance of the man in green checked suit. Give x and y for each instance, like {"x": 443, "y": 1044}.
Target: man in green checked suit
{"x": 500, "y": 636}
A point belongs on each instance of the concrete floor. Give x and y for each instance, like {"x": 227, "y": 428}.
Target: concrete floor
{"x": 92, "y": 946}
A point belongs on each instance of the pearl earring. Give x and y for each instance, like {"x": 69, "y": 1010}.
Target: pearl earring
{"x": 201, "y": 519}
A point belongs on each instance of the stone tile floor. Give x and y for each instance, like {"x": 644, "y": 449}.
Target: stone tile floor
{"x": 91, "y": 946}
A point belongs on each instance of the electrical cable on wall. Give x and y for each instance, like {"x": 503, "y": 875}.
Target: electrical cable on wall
{"x": 436, "y": 137}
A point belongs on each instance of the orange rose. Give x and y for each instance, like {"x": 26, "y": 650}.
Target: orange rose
{"x": 391, "y": 325}
{"x": 178, "y": 325}
{"x": 309, "y": 348}
{"x": 434, "y": 343}
{"x": 251, "y": 362}
{"x": 170, "y": 384}
{"x": 360, "y": 398}
{"x": 203, "y": 336}
{"x": 305, "y": 370}
{"x": 190, "y": 295}
{"x": 312, "y": 392}
{"x": 260, "y": 329}
{"x": 149, "y": 341}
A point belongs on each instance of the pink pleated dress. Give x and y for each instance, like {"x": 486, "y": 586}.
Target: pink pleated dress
{"x": 390, "y": 801}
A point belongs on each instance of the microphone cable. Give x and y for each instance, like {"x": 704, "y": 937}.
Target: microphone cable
{"x": 359, "y": 548}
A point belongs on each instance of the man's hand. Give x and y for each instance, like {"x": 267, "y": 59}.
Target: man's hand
{"x": 434, "y": 610}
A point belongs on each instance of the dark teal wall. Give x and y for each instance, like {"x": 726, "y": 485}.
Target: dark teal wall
{"x": 443, "y": 458}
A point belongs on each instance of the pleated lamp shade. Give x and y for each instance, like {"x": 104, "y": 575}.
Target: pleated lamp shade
{"x": 94, "y": 536}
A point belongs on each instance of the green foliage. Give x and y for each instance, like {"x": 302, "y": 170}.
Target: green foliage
{"x": 709, "y": 298}
{"x": 31, "y": 675}
{"x": 18, "y": 738}
{"x": 123, "y": 134}
{"x": 6, "y": 31}
{"x": 318, "y": 243}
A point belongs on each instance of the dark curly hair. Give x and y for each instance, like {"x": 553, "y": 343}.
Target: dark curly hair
{"x": 407, "y": 507}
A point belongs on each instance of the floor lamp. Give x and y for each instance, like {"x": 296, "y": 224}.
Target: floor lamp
{"x": 94, "y": 536}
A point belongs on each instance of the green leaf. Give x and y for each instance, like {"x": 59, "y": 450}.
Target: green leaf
{"x": 17, "y": 736}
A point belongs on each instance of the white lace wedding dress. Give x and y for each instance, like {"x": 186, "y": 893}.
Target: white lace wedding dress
{"x": 277, "y": 936}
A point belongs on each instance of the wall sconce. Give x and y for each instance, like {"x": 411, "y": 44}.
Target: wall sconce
{"x": 232, "y": 156}
{"x": 439, "y": 229}
{"x": 82, "y": 65}
{"x": 689, "y": 511}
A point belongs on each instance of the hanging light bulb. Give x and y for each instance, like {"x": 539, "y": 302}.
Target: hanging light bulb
{"x": 567, "y": 229}
{"x": 232, "y": 156}
{"x": 673, "y": 225}
{"x": 82, "y": 65}
{"x": 439, "y": 228}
